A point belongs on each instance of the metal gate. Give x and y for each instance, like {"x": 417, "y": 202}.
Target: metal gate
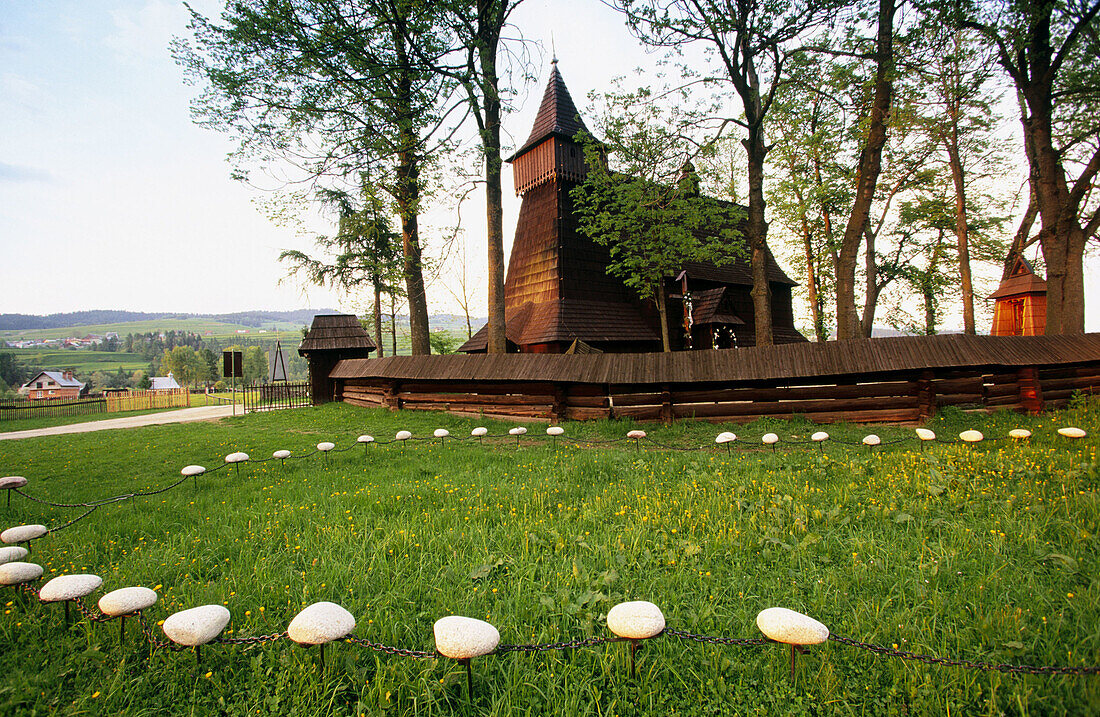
{"x": 276, "y": 396}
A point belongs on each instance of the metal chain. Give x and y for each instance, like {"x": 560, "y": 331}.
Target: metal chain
{"x": 147, "y": 630}
{"x": 967, "y": 664}
{"x": 548, "y": 646}
{"x": 93, "y": 615}
{"x": 79, "y": 517}
{"x": 379, "y": 647}
{"x": 255, "y": 640}
{"x": 736, "y": 641}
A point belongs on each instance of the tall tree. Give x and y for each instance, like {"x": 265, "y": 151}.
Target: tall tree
{"x": 868, "y": 168}
{"x": 363, "y": 252}
{"x": 479, "y": 63}
{"x": 333, "y": 87}
{"x": 752, "y": 42}
{"x": 1048, "y": 48}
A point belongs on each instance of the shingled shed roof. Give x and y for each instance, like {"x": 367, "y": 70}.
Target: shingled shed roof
{"x": 335, "y": 332}
{"x": 557, "y": 114}
{"x": 761, "y": 363}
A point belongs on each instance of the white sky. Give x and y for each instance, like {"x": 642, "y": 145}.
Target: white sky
{"x": 110, "y": 198}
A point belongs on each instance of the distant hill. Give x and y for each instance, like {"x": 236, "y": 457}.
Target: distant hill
{"x": 21, "y": 322}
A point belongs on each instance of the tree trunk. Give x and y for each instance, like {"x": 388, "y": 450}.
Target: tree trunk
{"x": 871, "y": 287}
{"x": 393, "y": 324}
{"x": 408, "y": 196}
{"x": 662, "y": 312}
{"x": 757, "y": 230}
{"x": 962, "y": 232}
{"x": 378, "y": 320}
{"x": 870, "y": 165}
{"x": 488, "y": 39}
{"x": 811, "y": 278}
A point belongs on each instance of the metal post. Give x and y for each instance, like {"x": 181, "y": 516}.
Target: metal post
{"x": 67, "y": 613}
{"x": 792, "y": 662}
{"x": 633, "y": 649}
{"x": 121, "y": 629}
{"x": 469, "y": 680}
{"x": 198, "y": 655}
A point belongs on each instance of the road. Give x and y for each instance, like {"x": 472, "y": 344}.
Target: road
{"x": 183, "y": 415}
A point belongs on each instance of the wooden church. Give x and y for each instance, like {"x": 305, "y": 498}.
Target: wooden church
{"x": 558, "y": 295}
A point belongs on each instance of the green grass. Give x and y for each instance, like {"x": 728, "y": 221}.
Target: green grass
{"x": 986, "y": 552}
{"x": 219, "y": 329}
{"x": 27, "y": 424}
{"x": 82, "y": 361}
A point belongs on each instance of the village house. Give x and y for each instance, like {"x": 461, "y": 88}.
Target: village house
{"x": 53, "y": 384}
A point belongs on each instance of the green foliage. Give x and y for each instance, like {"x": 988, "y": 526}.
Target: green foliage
{"x": 185, "y": 365}
{"x": 443, "y": 342}
{"x": 961, "y": 551}
{"x": 12, "y": 371}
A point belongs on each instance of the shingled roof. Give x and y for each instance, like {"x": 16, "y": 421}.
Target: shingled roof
{"x": 557, "y": 114}
{"x": 335, "y": 332}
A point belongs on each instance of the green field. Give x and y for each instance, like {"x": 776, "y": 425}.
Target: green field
{"x": 986, "y": 552}
{"x": 83, "y": 362}
{"x": 220, "y": 329}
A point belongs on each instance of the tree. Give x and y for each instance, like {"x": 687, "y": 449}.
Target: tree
{"x": 12, "y": 371}
{"x": 642, "y": 202}
{"x": 1048, "y": 48}
{"x": 187, "y": 367}
{"x": 364, "y": 251}
{"x": 255, "y": 364}
{"x": 869, "y": 166}
{"x": 752, "y": 42}
{"x": 443, "y": 343}
{"x": 335, "y": 88}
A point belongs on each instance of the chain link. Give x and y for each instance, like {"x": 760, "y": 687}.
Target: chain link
{"x": 967, "y": 664}
{"x": 248, "y": 641}
{"x": 147, "y": 630}
{"x": 387, "y": 649}
{"x": 549, "y": 646}
{"x": 93, "y": 615}
{"x": 708, "y": 639}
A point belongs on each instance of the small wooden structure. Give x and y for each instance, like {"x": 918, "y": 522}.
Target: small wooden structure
{"x": 332, "y": 338}
{"x": 1021, "y": 302}
{"x": 53, "y": 384}
{"x": 890, "y": 380}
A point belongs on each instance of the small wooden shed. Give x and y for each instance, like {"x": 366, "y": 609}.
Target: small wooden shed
{"x": 332, "y": 337}
{"x": 1021, "y": 308}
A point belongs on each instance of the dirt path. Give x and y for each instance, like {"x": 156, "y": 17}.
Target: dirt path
{"x": 183, "y": 415}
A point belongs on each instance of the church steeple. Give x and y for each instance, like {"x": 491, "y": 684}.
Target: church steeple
{"x": 550, "y": 151}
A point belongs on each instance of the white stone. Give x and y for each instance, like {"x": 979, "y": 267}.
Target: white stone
{"x": 1072, "y": 432}
{"x": 793, "y": 628}
{"x": 325, "y": 446}
{"x": 820, "y": 436}
{"x": 126, "y": 601}
{"x": 18, "y": 572}
{"x": 192, "y": 471}
{"x": 196, "y": 626}
{"x": 319, "y": 623}
{"x": 9, "y": 482}
{"x": 281, "y": 455}
{"x": 971, "y": 436}
{"x": 479, "y": 431}
{"x": 365, "y": 439}
{"x": 926, "y": 435}
{"x": 238, "y": 457}
{"x": 555, "y": 431}
{"x": 69, "y": 587}
{"x": 461, "y": 638}
{"x": 441, "y": 433}
{"x": 12, "y": 553}
{"x": 23, "y": 533}
{"x": 725, "y": 437}
{"x": 636, "y": 434}
{"x": 517, "y": 431}
{"x": 1019, "y": 433}
{"x": 770, "y": 439}
{"x": 636, "y": 620}
{"x": 404, "y": 435}
{"x": 871, "y": 440}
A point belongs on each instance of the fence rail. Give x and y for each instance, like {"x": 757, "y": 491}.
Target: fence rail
{"x": 52, "y": 407}
{"x": 145, "y": 400}
{"x": 277, "y": 396}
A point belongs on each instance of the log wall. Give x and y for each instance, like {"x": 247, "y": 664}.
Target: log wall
{"x": 894, "y": 397}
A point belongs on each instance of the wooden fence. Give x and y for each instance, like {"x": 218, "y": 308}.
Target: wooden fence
{"x": 276, "y": 396}
{"x": 52, "y": 407}
{"x": 905, "y": 394}
{"x": 145, "y": 400}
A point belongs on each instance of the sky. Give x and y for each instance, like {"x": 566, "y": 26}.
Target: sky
{"x": 112, "y": 198}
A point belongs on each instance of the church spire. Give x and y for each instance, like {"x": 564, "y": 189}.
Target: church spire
{"x": 557, "y": 114}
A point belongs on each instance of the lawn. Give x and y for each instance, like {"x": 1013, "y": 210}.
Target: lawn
{"x": 985, "y": 552}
